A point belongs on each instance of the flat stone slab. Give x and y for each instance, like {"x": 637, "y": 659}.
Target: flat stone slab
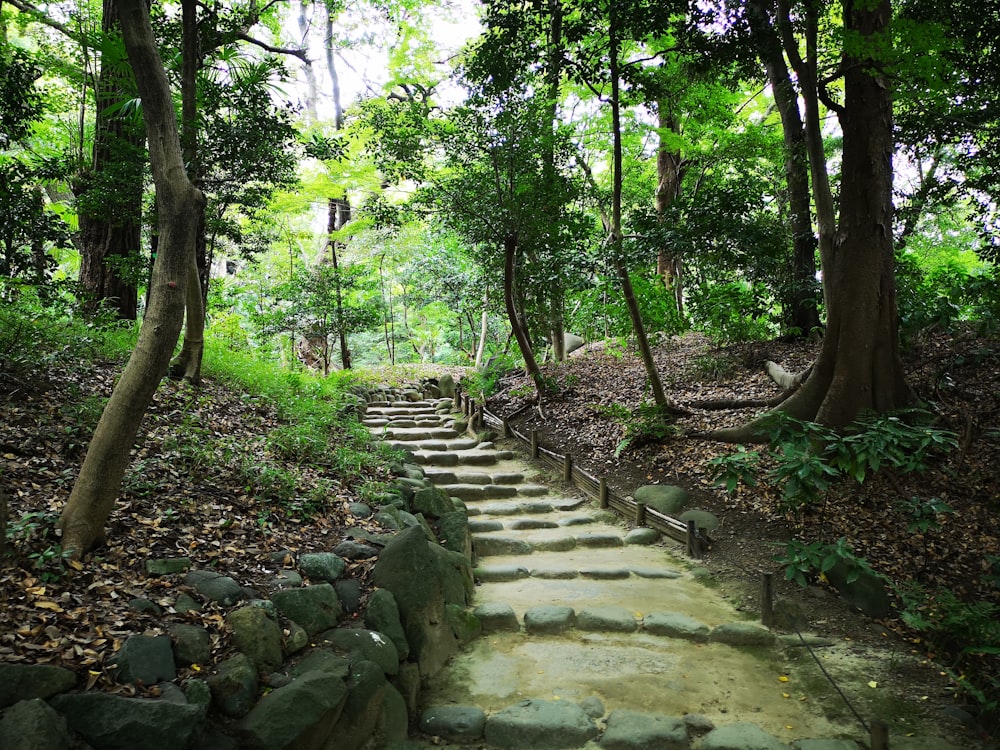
{"x": 496, "y": 617}
{"x": 532, "y": 490}
{"x": 522, "y": 524}
{"x": 675, "y": 625}
{"x": 555, "y": 574}
{"x": 599, "y": 539}
{"x": 741, "y": 634}
{"x": 555, "y": 544}
{"x": 549, "y": 619}
{"x": 501, "y": 509}
{"x": 829, "y": 745}
{"x": 487, "y": 545}
{"x": 542, "y": 725}
{"x": 632, "y": 730}
{"x": 741, "y": 736}
{"x": 508, "y": 477}
{"x": 483, "y": 526}
{"x": 666, "y": 573}
{"x": 567, "y": 503}
{"x": 499, "y": 573}
{"x": 605, "y": 574}
{"x": 607, "y": 619}
{"x": 576, "y": 521}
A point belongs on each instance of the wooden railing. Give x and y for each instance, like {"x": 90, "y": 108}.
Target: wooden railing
{"x": 687, "y": 533}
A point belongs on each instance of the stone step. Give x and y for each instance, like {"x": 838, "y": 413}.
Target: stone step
{"x": 525, "y": 506}
{"x": 456, "y": 458}
{"x": 413, "y": 435}
{"x": 481, "y": 492}
{"x": 436, "y": 446}
{"x": 392, "y": 411}
{"x": 441, "y": 476}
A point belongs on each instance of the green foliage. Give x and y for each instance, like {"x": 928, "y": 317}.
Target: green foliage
{"x": 712, "y": 366}
{"x": 648, "y": 424}
{"x": 34, "y": 535}
{"x": 483, "y": 383}
{"x": 804, "y": 563}
{"x": 924, "y": 513}
{"x": 965, "y": 631}
{"x": 806, "y": 458}
{"x": 734, "y": 311}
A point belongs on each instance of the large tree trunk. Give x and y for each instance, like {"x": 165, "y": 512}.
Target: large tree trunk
{"x": 96, "y": 489}
{"x": 339, "y": 215}
{"x": 110, "y": 195}
{"x": 859, "y": 367}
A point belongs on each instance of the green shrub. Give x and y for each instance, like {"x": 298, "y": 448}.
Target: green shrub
{"x": 804, "y": 563}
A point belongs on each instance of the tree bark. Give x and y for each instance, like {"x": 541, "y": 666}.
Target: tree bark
{"x": 520, "y": 335}
{"x": 801, "y": 300}
{"x": 109, "y": 221}
{"x": 670, "y": 174}
{"x": 484, "y": 329}
{"x": 95, "y": 490}
{"x": 339, "y": 215}
{"x": 859, "y": 368}
{"x": 615, "y": 238}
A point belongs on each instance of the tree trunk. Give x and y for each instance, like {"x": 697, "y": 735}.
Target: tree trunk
{"x": 801, "y": 300}
{"x": 484, "y": 329}
{"x": 638, "y": 327}
{"x": 523, "y": 343}
{"x": 339, "y": 215}
{"x": 110, "y": 194}
{"x": 670, "y": 174}
{"x": 859, "y": 367}
{"x": 96, "y": 489}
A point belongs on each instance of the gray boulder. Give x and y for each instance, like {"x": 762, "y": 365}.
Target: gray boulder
{"x": 497, "y": 618}
{"x": 322, "y": 566}
{"x": 675, "y": 625}
{"x": 33, "y": 725}
{"x": 867, "y": 592}
{"x": 632, "y": 730}
{"x": 363, "y": 645}
{"x": 192, "y": 643}
{"x": 413, "y": 572}
{"x": 314, "y": 608}
{"x": 741, "y": 634}
{"x": 549, "y": 619}
{"x": 298, "y": 716}
{"x": 543, "y": 725}
{"x": 20, "y": 682}
{"x": 382, "y": 615}
{"x": 215, "y": 587}
{"x": 258, "y": 636}
{"x": 366, "y": 687}
{"x": 703, "y": 520}
{"x": 454, "y": 723}
{"x": 668, "y": 499}
{"x": 234, "y": 685}
{"x": 446, "y": 384}
{"x": 432, "y": 502}
{"x": 146, "y": 659}
{"x": 393, "y": 721}
{"x": 111, "y": 722}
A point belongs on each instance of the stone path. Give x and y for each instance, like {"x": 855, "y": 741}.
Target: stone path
{"x": 594, "y": 634}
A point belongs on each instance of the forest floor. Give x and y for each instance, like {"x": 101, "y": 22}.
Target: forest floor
{"x": 189, "y": 492}
{"x": 959, "y": 380}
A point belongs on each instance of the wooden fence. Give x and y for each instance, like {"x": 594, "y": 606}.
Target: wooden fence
{"x": 695, "y": 541}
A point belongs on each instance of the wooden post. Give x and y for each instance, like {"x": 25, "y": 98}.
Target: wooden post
{"x": 505, "y": 430}
{"x": 880, "y": 735}
{"x": 478, "y": 420}
{"x": 567, "y": 468}
{"x": 640, "y": 514}
{"x": 602, "y": 499}
{"x": 534, "y": 443}
{"x": 767, "y": 600}
{"x": 693, "y": 543}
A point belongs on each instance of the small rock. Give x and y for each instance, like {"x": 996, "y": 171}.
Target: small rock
{"x": 286, "y": 579}
{"x": 667, "y": 499}
{"x": 741, "y": 634}
{"x": 349, "y": 593}
{"x": 632, "y": 730}
{"x": 186, "y": 603}
{"x": 256, "y": 635}
{"x": 167, "y": 565}
{"x": 741, "y": 736}
{"x": 144, "y": 605}
{"x": 20, "y": 682}
{"x": 540, "y": 724}
{"x": 642, "y": 536}
{"x": 296, "y": 638}
{"x": 675, "y": 625}
{"x": 593, "y": 706}
{"x": 234, "y": 686}
{"x": 497, "y": 618}
{"x": 382, "y": 615}
{"x": 360, "y": 510}
{"x": 549, "y": 619}
{"x": 315, "y": 608}
{"x": 215, "y": 587}
{"x": 352, "y": 550}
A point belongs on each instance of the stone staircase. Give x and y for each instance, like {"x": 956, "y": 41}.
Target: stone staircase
{"x": 594, "y": 634}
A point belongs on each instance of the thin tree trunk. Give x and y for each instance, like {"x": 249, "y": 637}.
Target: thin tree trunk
{"x": 638, "y": 327}
{"x": 670, "y": 174}
{"x": 96, "y": 488}
{"x": 484, "y": 329}
{"x": 523, "y": 342}
{"x": 339, "y": 215}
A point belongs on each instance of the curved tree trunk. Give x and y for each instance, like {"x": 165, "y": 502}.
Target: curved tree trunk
{"x": 96, "y": 489}
{"x": 520, "y": 335}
